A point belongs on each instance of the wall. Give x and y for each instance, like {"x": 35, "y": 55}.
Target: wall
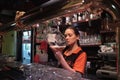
{"x": 9, "y": 43}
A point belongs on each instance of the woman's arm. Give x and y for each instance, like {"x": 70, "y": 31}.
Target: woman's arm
{"x": 60, "y": 58}
{"x": 63, "y": 62}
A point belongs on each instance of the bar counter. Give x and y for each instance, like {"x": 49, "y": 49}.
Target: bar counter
{"x": 35, "y": 71}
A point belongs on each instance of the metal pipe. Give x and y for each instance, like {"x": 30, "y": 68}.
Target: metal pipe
{"x": 51, "y": 2}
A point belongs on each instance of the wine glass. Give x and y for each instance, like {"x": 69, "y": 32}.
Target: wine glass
{"x": 56, "y": 39}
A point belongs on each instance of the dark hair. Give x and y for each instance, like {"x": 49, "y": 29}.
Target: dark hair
{"x": 76, "y": 31}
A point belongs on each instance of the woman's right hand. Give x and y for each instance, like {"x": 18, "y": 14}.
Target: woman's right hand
{"x": 63, "y": 62}
{"x": 57, "y": 48}
{"x": 57, "y": 52}
{"x": 58, "y": 55}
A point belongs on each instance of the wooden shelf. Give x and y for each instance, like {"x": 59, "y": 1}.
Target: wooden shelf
{"x": 107, "y": 53}
{"x": 105, "y": 31}
{"x": 90, "y": 45}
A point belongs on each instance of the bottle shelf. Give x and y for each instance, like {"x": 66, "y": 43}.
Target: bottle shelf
{"x": 107, "y": 53}
{"x": 84, "y": 45}
{"x": 105, "y": 31}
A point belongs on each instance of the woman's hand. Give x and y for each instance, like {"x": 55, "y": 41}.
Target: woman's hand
{"x": 57, "y": 51}
{"x": 63, "y": 62}
{"x": 58, "y": 55}
{"x": 57, "y": 48}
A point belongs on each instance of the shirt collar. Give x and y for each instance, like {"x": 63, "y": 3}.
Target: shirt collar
{"x": 77, "y": 50}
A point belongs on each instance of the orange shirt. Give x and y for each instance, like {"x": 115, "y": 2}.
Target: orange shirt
{"x": 80, "y": 62}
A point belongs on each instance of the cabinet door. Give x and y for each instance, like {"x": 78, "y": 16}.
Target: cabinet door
{"x": 1, "y": 44}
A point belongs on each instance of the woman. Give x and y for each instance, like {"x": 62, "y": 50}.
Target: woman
{"x": 72, "y": 57}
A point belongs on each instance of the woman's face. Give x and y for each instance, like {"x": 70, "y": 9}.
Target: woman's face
{"x": 70, "y": 36}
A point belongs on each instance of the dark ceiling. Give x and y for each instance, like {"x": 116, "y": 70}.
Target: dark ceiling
{"x": 8, "y": 8}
